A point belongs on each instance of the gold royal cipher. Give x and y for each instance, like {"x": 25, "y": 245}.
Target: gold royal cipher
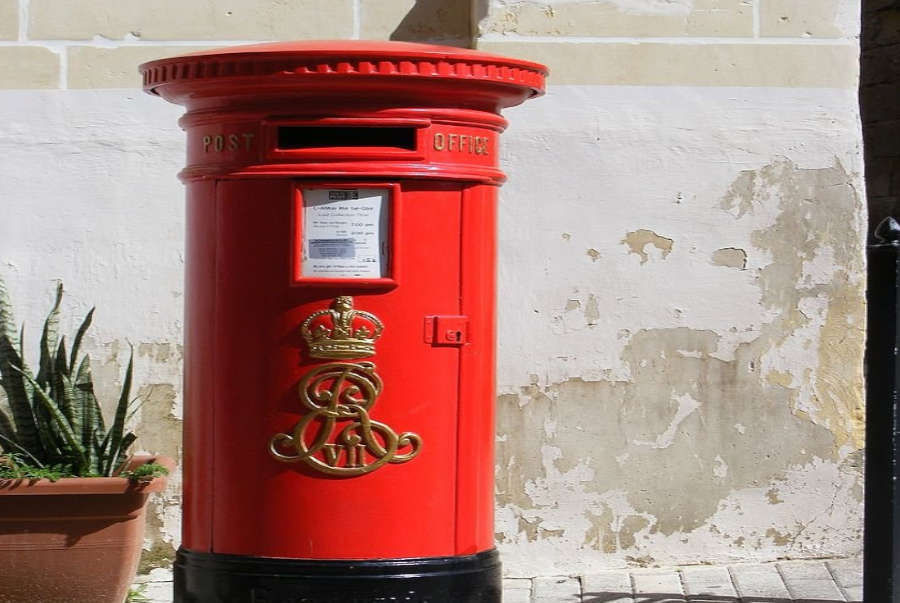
{"x": 352, "y": 333}
{"x": 337, "y": 436}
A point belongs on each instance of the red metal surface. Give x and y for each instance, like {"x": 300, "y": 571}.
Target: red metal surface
{"x": 247, "y": 297}
{"x": 383, "y": 67}
{"x": 475, "y": 423}
{"x": 438, "y": 154}
{"x": 199, "y": 365}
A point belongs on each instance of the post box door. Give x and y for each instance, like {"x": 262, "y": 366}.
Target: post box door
{"x": 400, "y": 510}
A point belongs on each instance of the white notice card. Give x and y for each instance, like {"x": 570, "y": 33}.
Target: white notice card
{"x": 345, "y": 232}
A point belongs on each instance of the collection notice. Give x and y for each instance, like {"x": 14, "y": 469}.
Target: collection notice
{"x": 345, "y": 233}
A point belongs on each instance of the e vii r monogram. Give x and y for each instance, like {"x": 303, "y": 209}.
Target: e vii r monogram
{"x": 337, "y": 436}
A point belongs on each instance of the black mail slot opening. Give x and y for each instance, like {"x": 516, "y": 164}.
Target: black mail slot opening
{"x": 320, "y": 137}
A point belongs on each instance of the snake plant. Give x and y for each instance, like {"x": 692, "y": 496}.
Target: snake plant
{"x": 53, "y": 423}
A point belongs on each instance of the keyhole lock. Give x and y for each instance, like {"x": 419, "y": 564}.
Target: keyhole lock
{"x": 447, "y": 330}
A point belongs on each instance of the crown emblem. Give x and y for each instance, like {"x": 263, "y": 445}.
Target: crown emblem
{"x": 341, "y": 331}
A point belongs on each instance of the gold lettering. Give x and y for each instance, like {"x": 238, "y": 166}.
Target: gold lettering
{"x": 227, "y": 142}
{"x": 356, "y": 455}
{"x": 332, "y": 453}
{"x": 464, "y": 143}
{"x": 360, "y": 455}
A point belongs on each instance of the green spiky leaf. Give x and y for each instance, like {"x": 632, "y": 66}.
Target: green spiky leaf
{"x": 55, "y": 425}
{"x": 7, "y": 322}
{"x": 49, "y": 341}
{"x": 90, "y": 410}
{"x": 118, "y": 427}
{"x": 18, "y": 397}
{"x": 73, "y": 447}
{"x": 6, "y": 430}
{"x": 121, "y": 456}
{"x": 76, "y": 345}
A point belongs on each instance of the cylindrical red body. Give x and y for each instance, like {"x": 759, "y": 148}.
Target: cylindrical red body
{"x": 339, "y": 318}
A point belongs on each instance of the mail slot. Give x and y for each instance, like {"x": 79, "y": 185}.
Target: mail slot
{"x": 339, "y": 319}
{"x": 319, "y": 137}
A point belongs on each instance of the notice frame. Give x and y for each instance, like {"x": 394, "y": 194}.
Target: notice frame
{"x": 345, "y": 234}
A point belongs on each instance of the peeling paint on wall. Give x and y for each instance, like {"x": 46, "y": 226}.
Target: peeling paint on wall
{"x": 638, "y": 240}
{"x": 160, "y": 430}
{"x": 730, "y": 257}
{"x": 698, "y": 437}
{"x": 811, "y": 202}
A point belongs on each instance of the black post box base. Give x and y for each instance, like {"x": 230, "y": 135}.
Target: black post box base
{"x": 215, "y": 578}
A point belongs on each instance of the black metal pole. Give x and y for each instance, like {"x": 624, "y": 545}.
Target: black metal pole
{"x": 881, "y": 580}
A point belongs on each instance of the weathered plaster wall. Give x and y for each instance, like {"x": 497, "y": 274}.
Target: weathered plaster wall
{"x": 680, "y": 295}
{"x": 688, "y": 374}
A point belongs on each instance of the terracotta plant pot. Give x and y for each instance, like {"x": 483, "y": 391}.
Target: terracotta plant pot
{"x": 76, "y": 540}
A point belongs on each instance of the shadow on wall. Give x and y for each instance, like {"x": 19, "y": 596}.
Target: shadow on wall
{"x": 440, "y": 21}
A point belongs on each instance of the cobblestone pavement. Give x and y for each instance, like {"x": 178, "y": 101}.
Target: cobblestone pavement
{"x": 837, "y": 580}
{"x": 834, "y": 580}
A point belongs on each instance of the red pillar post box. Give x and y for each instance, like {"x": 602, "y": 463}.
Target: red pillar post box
{"x": 339, "y": 319}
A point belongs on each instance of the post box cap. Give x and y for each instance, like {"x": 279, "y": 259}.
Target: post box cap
{"x": 305, "y": 63}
